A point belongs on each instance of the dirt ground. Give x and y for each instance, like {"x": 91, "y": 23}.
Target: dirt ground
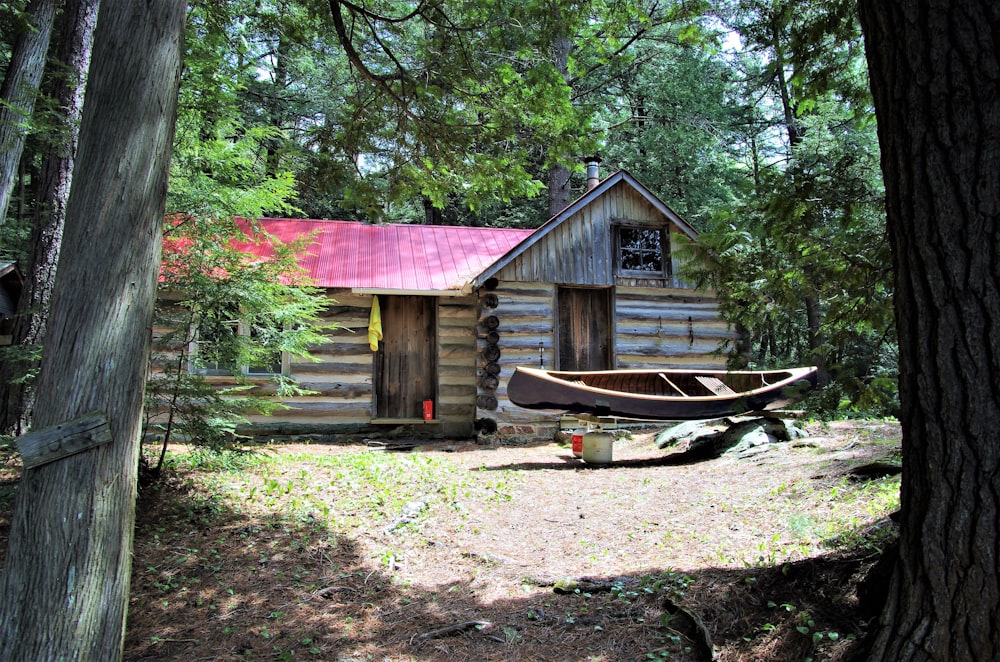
{"x": 463, "y": 551}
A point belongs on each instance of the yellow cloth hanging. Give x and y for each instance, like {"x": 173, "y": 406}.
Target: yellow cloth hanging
{"x": 374, "y": 325}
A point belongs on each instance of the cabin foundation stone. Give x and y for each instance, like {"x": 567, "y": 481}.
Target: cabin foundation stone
{"x": 527, "y": 434}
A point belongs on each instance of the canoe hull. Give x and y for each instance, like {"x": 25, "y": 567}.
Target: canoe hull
{"x": 674, "y": 395}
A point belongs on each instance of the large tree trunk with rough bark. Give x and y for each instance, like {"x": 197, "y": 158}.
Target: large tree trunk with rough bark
{"x": 64, "y": 591}
{"x": 935, "y": 77}
{"x": 560, "y": 193}
{"x": 19, "y": 90}
{"x": 66, "y": 86}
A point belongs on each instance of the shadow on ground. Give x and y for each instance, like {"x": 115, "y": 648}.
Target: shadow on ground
{"x": 210, "y": 582}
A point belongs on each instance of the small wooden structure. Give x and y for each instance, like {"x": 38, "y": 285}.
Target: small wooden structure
{"x": 11, "y": 284}
{"x": 594, "y": 287}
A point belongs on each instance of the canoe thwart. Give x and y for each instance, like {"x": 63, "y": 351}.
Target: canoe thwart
{"x": 673, "y": 385}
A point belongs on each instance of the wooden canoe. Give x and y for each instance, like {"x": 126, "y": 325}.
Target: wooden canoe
{"x": 670, "y": 395}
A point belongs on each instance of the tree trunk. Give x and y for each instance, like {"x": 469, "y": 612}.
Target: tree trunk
{"x": 277, "y": 104}
{"x": 560, "y": 194}
{"x": 18, "y": 92}
{"x": 814, "y": 327}
{"x": 792, "y": 125}
{"x": 65, "y": 587}
{"x": 76, "y": 37}
{"x": 935, "y": 78}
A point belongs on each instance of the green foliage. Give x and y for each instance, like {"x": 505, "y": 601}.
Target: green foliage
{"x": 455, "y": 98}
{"x": 674, "y": 122}
{"x": 25, "y": 358}
{"x": 801, "y": 259}
{"x": 381, "y": 104}
{"x": 454, "y": 112}
{"x": 221, "y": 314}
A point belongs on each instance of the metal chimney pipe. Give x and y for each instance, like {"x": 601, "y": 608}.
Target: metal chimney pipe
{"x": 593, "y": 173}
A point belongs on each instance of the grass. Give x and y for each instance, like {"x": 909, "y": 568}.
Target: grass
{"x": 341, "y": 494}
{"x": 314, "y": 552}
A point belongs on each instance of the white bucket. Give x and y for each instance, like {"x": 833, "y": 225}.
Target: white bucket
{"x": 597, "y": 448}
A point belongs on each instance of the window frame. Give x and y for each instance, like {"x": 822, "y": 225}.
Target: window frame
{"x": 665, "y": 272}
{"x": 283, "y": 361}
{"x": 195, "y": 364}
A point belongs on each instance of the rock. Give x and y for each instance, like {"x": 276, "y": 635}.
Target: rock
{"x": 784, "y": 429}
{"x": 710, "y": 439}
{"x": 741, "y": 438}
{"x": 681, "y": 435}
{"x": 414, "y": 508}
{"x": 411, "y": 511}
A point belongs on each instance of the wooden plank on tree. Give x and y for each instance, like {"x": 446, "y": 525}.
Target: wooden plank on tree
{"x": 59, "y": 441}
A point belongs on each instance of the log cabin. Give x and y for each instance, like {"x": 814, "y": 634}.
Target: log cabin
{"x": 595, "y": 287}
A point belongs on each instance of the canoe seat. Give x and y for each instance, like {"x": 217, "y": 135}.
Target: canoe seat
{"x": 715, "y": 385}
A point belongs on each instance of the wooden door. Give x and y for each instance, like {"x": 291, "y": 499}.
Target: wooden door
{"x": 585, "y": 329}
{"x": 406, "y": 362}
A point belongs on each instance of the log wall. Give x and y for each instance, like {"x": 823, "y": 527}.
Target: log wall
{"x": 341, "y": 375}
{"x": 669, "y": 328}
{"x": 659, "y": 322}
{"x": 457, "y": 364}
{"x": 526, "y": 314}
{"x": 654, "y": 328}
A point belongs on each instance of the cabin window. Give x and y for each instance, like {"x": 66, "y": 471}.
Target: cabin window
{"x": 212, "y": 351}
{"x": 269, "y": 363}
{"x": 643, "y": 251}
{"x": 215, "y": 352}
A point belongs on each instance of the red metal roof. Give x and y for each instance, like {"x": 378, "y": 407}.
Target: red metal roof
{"x": 348, "y": 254}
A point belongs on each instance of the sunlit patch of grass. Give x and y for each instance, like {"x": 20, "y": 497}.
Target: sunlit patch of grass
{"x": 203, "y": 459}
{"x": 347, "y": 490}
{"x": 816, "y": 517}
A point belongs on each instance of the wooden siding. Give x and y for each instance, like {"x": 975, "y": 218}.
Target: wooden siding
{"x": 580, "y": 250}
{"x": 657, "y": 322}
{"x": 679, "y": 328}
